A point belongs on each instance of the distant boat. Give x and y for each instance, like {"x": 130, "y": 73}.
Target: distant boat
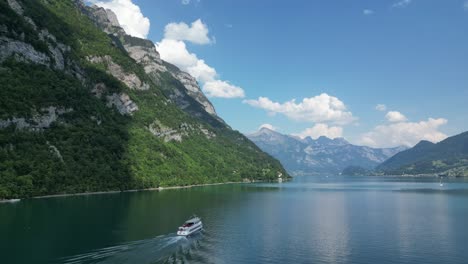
{"x": 441, "y": 184}
{"x": 190, "y": 226}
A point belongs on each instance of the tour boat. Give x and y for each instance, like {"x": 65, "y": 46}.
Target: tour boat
{"x": 190, "y": 226}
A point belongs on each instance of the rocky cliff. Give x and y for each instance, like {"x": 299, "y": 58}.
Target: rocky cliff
{"x": 85, "y": 107}
{"x": 188, "y": 97}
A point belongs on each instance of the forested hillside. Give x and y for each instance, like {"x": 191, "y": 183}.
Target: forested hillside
{"x": 80, "y": 113}
{"x": 448, "y": 157}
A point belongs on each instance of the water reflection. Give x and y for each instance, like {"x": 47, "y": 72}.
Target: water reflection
{"x": 319, "y": 220}
{"x": 331, "y": 230}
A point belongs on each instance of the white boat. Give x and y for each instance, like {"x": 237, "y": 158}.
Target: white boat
{"x": 190, "y": 226}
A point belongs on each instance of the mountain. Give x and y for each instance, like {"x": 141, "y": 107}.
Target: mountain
{"x": 449, "y": 157}
{"x": 356, "y": 171}
{"x": 85, "y": 107}
{"x": 320, "y": 156}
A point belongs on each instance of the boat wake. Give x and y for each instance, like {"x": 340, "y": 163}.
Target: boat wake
{"x": 161, "y": 249}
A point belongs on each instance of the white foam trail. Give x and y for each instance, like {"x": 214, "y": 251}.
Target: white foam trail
{"x": 142, "y": 251}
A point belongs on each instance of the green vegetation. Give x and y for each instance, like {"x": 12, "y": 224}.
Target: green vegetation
{"x": 448, "y": 157}
{"x": 91, "y": 147}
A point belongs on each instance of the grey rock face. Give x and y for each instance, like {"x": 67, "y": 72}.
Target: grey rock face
{"x": 167, "y": 133}
{"x": 130, "y": 79}
{"x": 144, "y": 52}
{"x": 16, "y": 7}
{"x": 194, "y": 90}
{"x": 56, "y": 50}
{"x": 25, "y": 52}
{"x": 177, "y": 134}
{"x": 19, "y": 10}
{"x": 22, "y": 51}
{"x": 104, "y": 19}
{"x": 122, "y": 102}
{"x": 112, "y": 18}
{"x": 38, "y": 122}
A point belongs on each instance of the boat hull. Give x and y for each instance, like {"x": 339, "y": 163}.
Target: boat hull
{"x": 190, "y": 231}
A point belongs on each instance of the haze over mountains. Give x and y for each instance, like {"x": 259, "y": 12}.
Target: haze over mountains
{"x": 320, "y": 156}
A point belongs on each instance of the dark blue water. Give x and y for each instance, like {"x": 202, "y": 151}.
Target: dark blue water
{"x": 308, "y": 220}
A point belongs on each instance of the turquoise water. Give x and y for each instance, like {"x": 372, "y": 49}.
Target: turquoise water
{"x": 308, "y": 220}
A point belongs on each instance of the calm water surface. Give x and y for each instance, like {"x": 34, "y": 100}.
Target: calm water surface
{"x": 308, "y": 220}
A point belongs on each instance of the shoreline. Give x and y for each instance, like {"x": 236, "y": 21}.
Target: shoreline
{"x": 125, "y": 191}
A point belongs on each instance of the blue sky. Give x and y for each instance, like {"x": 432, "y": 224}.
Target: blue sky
{"x": 344, "y": 57}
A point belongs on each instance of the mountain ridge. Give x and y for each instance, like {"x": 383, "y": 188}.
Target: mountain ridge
{"x": 320, "y": 156}
{"x": 85, "y": 110}
{"x": 447, "y": 157}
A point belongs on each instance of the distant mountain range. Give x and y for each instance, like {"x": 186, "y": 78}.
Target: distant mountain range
{"x": 448, "y": 157}
{"x": 320, "y": 156}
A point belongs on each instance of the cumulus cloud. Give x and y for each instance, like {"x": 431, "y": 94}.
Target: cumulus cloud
{"x": 196, "y": 33}
{"x": 404, "y": 133}
{"x": 222, "y": 89}
{"x": 381, "y": 107}
{"x": 175, "y": 52}
{"x": 202, "y": 72}
{"x": 173, "y": 49}
{"x": 401, "y": 3}
{"x": 321, "y": 108}
{"x": 130, "y": 17}
{"x": 321, "y": 129}
{"x": 395, "y": 116}
{"x": 368, "y": 12}
{"x": 269, "y": 126}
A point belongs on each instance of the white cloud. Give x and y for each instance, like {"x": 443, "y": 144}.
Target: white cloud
{"x": 130, "y": 17}
{"x": 404, "y": 133}
{"x": 174, "y": 50}
{"x": 269, "y": 126}
{"x": 368, "y": 12}
{"x": 196, "y": 33}
{"x": 381, "y": 107}
{"x": 465, "y": 5}
{"x": 202, "y": 72}
{"x": 222, "y": 89}
{"x": 395, "y": 116}
{"x": 321, "y": 108}
{"x": 401, "y": 3}
{"x": 321, "y": 129}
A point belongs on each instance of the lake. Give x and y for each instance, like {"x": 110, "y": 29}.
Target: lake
{"x": 307, "y": 220}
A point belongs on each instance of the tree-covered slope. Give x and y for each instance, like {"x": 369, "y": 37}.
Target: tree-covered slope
{"x": 80, "y": 113}
{"x": 449, "y": 156}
